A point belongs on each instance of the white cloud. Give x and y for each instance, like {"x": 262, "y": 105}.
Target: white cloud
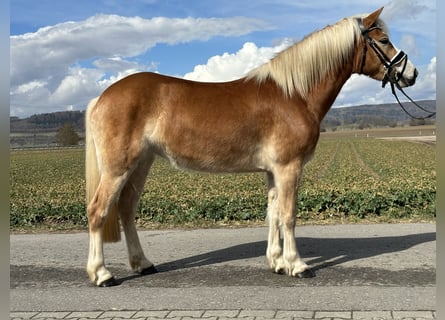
{"x": 425, "y": 87}
{"x": 412, "y": 17}
{"x": 28, "y": 87}
{"x": 406, "y": 9}
{"x": 44, "y": 67}
{"x": 80, "y": 82}
{"x": 117, "y": 64}
{"x": 51, "y": 49}
{"x": 409, "y": 45}
{"x": 230, "y": 66}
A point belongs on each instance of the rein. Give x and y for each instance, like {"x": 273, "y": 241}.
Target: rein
{"x": 389, "y": 64}
{"x": 430, "y": 113}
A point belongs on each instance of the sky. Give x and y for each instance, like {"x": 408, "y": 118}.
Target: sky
{"x": 64, "y": 53}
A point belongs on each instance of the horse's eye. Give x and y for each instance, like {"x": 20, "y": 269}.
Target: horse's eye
{"x": 384, "y": 41}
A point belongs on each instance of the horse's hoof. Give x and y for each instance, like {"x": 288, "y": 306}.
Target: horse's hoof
{"x": 279, "y": 271}
{"x": 149, "y": 270}
{"x": 108, "y": 283}
{"x": 308, "y": 273}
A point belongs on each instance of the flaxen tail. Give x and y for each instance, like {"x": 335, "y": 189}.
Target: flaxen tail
{"x": 111, "y": 229}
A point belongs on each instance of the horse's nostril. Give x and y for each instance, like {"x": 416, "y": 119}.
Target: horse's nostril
{"x": 416, "y": 73}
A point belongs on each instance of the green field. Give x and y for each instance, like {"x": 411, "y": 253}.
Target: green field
{"x": 349, "y": 180}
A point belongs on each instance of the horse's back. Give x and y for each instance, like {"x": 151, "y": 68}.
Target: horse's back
{"x": 148, "y": 93}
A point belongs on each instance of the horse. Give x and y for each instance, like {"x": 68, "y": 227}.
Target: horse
{"x": 267, "y": 121}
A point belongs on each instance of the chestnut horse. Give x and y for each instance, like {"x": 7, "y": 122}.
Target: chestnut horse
{"x": 268, "y": 121}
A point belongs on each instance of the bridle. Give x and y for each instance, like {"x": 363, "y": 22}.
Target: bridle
{"x": 388, "y": 63}
{"x": 391, "y": 76}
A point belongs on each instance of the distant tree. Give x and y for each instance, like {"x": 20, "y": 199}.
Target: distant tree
{"x": 66, "y": 136}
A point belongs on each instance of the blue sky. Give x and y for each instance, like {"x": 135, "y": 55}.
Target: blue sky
{"x": 65, "y": 52}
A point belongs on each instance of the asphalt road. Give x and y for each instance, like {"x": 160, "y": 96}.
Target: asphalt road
{"x": 364, "y": 268}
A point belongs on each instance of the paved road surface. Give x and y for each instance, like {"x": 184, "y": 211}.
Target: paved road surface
{"x": 362, "y": 272}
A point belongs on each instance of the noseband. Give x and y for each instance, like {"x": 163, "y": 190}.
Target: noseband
{"x": 387, "y": 63}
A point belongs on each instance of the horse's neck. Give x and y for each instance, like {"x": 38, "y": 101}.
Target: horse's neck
{"x": 323, "y": 95}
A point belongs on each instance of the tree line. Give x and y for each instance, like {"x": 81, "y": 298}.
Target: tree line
{"x": 48, "y": 122}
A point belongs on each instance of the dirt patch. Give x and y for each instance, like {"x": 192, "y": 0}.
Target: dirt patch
{"x": 414, "y": 131}
{"x": 431, "y": 140}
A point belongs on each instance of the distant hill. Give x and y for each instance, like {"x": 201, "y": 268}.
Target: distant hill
{"x": 365, "y": 115}
{"x": 381, "y": 115}
{"x": 48, "y": 122}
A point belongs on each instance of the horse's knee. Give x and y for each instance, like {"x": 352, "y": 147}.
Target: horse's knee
{"x": 288, "y": 222}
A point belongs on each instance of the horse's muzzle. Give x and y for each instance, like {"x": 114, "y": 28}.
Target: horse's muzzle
{"x": 403, "y": 81}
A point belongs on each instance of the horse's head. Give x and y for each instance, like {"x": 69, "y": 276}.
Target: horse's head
{"x": 378, "y": 57}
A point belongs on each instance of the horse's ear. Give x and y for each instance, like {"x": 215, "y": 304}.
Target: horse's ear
{"x": 372, "y": 18}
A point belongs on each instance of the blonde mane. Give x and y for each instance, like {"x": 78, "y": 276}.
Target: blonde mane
{"x": 303, "y": 65}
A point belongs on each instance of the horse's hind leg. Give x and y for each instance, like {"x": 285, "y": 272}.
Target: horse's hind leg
{"x": 98, "y": 209}
{"x": 128, "y": 202}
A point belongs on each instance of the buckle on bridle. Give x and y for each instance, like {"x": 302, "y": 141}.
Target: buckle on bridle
{"x": 398, "y": 58}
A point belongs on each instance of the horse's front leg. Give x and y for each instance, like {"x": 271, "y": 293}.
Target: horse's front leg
{"x": 286, "y": 184}
{"x": 274, "y": 252}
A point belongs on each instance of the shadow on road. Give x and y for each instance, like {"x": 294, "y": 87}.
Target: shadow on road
{"x": 330, "y": 252}
{"x": 336, "y": 251}
{"x": 319, "y": 253}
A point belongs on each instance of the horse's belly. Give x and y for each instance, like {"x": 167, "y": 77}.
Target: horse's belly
{"x": 214, "y": 163}
{"x": 208, "y": 155}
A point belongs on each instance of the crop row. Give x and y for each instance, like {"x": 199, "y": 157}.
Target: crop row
{"x": 348, "y": 178}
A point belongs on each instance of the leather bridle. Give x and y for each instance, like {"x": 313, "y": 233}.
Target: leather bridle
{"x": 391, "y": 76}
{"x": 388, "y": 63}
